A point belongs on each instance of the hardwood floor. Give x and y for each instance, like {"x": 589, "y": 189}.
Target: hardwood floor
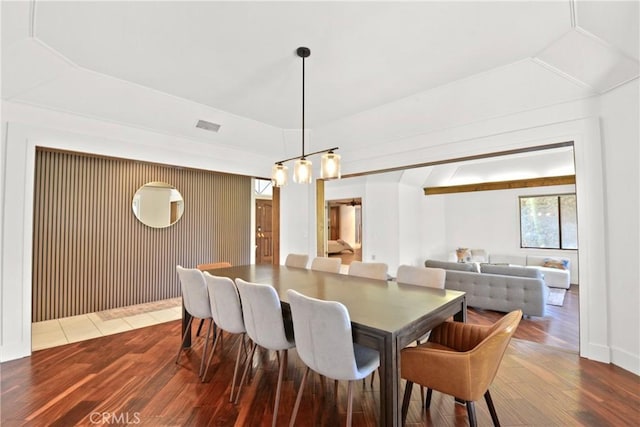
{"x": 347, "y": 256}
{"x": 559, "y": 328}
{"x": 132, "y": 378}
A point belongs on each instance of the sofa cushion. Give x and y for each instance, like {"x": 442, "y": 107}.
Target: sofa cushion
{"x": 508, "y": 259}
{"x": 500, "y": 292}
{"x": 554, "y": 277}
{"x": 510, "y": 271}
{"x": 550, "y": 262}
{"x": 459, "y": 266}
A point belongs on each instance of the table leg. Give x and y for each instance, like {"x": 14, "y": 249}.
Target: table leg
{"x": 185, "y": 323}
{"x": 389, "y": 384}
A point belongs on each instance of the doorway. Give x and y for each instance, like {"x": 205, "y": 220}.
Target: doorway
{"x": 344, "y": 229}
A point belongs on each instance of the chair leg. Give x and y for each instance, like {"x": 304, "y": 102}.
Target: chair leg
{"x": 213, "y": 350}
{"x": 298, "y": 398}
{"x": 206, "y": 346}
{"x": 246, "y": 368}
{"x": 492, "y": 409}
{"x": 335, "y": 390}
{"x": 184, "y": 338}
{"x": 280, "y": 376}
{"x": 235, "y": 369}
{"x": 427, "y": 403}
{"x": 199, "y": 327}
{"x": 285, "y": 360}
{"x": 471, "y": 412}
{"x": 405, "y": 401}
{"x": 349, "y": 403}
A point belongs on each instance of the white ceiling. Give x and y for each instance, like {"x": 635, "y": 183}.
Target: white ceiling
{"x": 162, "y": 65}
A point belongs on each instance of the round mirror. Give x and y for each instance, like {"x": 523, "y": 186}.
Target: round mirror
{"x": 157, "y": 204}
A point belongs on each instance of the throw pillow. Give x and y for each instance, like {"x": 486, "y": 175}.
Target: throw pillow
{"x": 561, "y": 264}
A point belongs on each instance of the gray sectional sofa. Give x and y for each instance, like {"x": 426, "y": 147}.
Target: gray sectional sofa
{"x": 497, "y": 287}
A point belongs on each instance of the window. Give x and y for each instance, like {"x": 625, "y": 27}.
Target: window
{"x": 549, "y": 222}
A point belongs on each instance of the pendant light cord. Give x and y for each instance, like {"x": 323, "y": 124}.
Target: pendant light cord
{"x": 303, "y": 108}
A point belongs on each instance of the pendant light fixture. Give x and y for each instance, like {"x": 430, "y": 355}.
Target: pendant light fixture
{"x": 303, "y": 168}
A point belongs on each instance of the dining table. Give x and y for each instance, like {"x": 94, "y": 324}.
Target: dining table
{"x": 385, "y": 315}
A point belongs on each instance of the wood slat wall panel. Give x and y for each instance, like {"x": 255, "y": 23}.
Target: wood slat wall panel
{"x": 90, "y": 253}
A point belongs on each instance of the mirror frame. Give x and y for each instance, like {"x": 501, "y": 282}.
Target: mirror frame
{"x": 163, "y": 201}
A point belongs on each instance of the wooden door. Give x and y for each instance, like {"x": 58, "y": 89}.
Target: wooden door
{"x": 264, "y": 232}
{"x": 334, "y": 222}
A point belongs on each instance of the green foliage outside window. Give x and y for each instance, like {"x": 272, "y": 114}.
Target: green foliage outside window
{"x": 549, "y": 222}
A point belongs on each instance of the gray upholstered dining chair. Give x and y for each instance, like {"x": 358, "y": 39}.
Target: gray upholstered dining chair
{"x": 210, "y": 266}
{"x": 422, "y": 276}
{"x": 370, "y": 270}
{"x": 330, "y": 265}
{"x": 195, "y": 298}
{"x": 297, "y": 260}
{"x": 325, "y": 344}
{"x": 227, "y": 314}
{"x": 265, "y": 326}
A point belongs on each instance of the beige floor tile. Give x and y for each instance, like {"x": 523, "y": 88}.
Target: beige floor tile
{"x": 57, "y": 332}
{"x": 48, "y": 340}
{"x": 73, "y": 321}
{"x": 46, "y": 326}
{"x": 94, "y": 318}
{"x": 166, "y": 315}
{"x": 114, "y": 326}
{"x": 79, "y": 328}
{"x": 140, "y": 320}
{"x": 82, "y": 333}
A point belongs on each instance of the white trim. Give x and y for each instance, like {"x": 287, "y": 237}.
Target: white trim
{"x": 626, "y": 360}
{"x": 594, "y": 333}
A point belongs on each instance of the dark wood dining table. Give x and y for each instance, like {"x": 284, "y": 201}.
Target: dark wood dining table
{"x": 385, "y": 315}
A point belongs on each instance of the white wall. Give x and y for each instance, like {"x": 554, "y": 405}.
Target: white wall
{"x": 609, "y": 285}
{"x": 620, "y": 137}
{"x": 573, "y": 121}
{"x": 297, "y": 205}
{"x": 348, "y": 224}
{"x": 380, "y": 228}
{"x": 27, "y": 127}
{"x": 490, "y": 220}
{"x": 433, "y": 228}
{"x": 410, "y": 215}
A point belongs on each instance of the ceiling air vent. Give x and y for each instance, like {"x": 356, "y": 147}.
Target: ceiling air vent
{"x": 203, "y": 124}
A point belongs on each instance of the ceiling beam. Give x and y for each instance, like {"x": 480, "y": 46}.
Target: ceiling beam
{"x": 502, "y": 185}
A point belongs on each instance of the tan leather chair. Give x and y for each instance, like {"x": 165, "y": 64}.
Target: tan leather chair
{"x": 461, "y": 360}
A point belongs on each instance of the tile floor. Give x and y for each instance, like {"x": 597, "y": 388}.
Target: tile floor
{"x": 52, "y": 333}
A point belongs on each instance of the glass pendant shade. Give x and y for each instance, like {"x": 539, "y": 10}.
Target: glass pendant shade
{"x": 302, "y": 171}
{"x": 279, "y": 175}
{"x": 330, "y": 166}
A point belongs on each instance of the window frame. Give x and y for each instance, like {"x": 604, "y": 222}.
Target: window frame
{"x": 558, "y": 196}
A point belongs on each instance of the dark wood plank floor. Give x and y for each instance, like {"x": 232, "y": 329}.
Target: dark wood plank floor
{"x": 132, "y": 378}
{"x": 559, "y": 328}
